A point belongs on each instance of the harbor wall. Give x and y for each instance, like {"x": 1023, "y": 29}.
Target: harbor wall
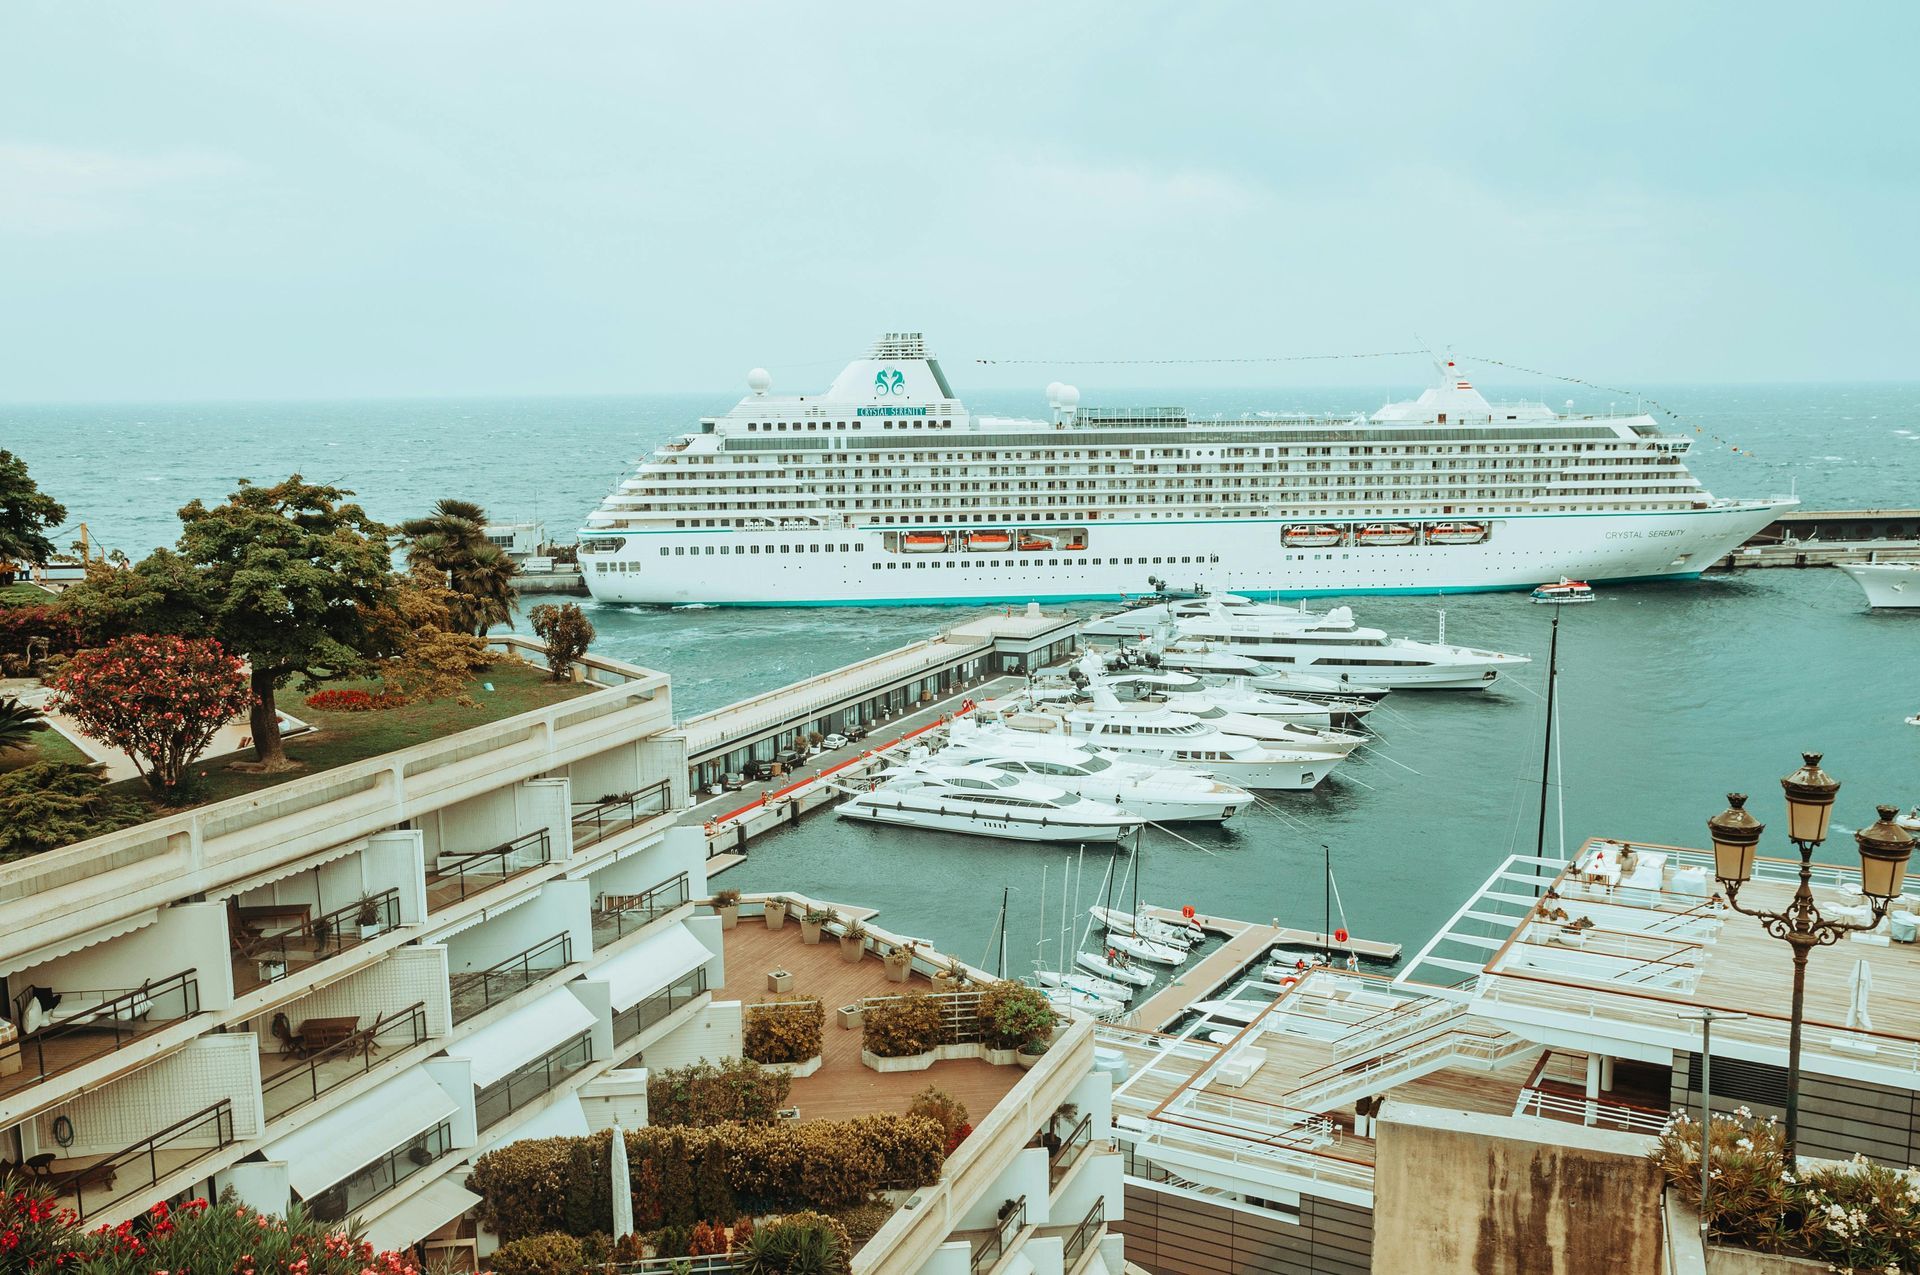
{"x": 1463, "y": 1193}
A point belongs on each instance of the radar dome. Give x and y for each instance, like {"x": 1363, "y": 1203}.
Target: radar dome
{"x": 1069, "y": 396}
{"x": 758, "y": 380}
{"x": 1053, "y": 393}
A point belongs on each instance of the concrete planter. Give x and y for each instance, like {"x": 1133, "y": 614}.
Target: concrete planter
{"x": 1001, "y": 1057}
{"x": 899, "y": 971}
{"x": 729, "y": 917}
{"x": 851, "y": 950}
{"x": 776, "y": 915}
{"x": 942, "y": 1053}
{"x": 810, "y": 931}
{"x": 779, "y": 981}
{"x": 1027, "y": 1060}
{"x": 911, "y": 1062}
{"x": 1722, "y": 1260}
{"x": 797, "y": 1070}
{"x": 850, "y": 1016}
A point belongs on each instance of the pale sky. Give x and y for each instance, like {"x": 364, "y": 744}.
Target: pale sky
{"x": 345, "y": 198}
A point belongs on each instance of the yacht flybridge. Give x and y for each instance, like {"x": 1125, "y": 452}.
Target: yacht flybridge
{"x": 886, "y": 488}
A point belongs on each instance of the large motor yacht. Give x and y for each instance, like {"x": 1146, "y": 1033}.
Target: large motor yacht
{"x": 1332, "y": 644}
{"x": 1162, "y": 794}
{"x": 986, "y": 804}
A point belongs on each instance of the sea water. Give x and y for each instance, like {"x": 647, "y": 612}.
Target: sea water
{"x": 1670, "y": 695}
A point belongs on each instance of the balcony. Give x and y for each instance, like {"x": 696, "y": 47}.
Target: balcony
{"x": 1064, "y": 1153}
{"x": 455, "y": 877}
{"x": 633, "y": 1020}
{"x": 494, "y": 1102}
{"x": 262, "y": 955}
{"x": 373, "y": 1180}
{"x": 293, "y": 1079}
{"x": 88, "y": 1188}
{"x": 88, "y": 1024}
{"x": 478, "y": 990}
{"x": 619, "y": 915}
{"x": 595, "y": 821}
{"x": 989, "y": 1246}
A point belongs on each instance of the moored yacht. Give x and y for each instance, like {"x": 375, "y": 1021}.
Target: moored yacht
{"x": 1144, "y": 732}
{"x": 1333, "y": 644}
{"x": 1161, "y": 794}
{"x": 1892, "y": 586}
{"x": 986, "y": 804}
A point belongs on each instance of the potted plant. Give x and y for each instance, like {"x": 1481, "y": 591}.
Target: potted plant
{"x": 726, "y": 905}
{"x": 952, "y": 976}
{"x": 368, "y": 917}
{"x": 848, "y": 1016}
{"x": 899, "y": 962}
{"x": 776, "y": 913}
{"x": 853, "y": 943}
{"x": 810, "y": 922}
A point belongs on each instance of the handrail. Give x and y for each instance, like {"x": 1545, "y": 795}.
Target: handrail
{"x": 413, "y": 1021}
{"x": 520, "y": 964}
{"x": 645, "y": 907}
{"x": 1083, "y": 1233}
{"x": 618, "y": 813}
{"x": 382, "y": 1174}
{"x": 546, "y": 1071}
{"x": 1004, "y": 1230}
{"x": 642, "y": 1014}
{"x": 1632, "y": 1118}
{"x": 119, "y": 1015}
{"x": 107, "y": 1168}
{"x": 328, "y": 934}
{"x": 1061, "y": 1159}
{"x": 472, "y": 861}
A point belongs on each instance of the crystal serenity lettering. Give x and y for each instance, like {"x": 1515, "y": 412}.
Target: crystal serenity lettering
{"x": 890, "y": 411}
{"x": 1638, "y": 535}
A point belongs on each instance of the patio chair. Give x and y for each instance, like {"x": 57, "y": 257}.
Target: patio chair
{"x": 292, "y": 1044}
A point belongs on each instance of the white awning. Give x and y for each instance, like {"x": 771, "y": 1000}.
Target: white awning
{"x": 522, "y": 1036}
{"x": 482, "y": 916}
{"x": 564, "y": 1119}
{"x": 420, "y": 1215}
{"x": 329, "y": 1149}
{"x": 87, "y": 938}
{"x": 651, "y": 965}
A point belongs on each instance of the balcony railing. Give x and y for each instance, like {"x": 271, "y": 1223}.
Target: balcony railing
{"x": 995, "y": 1245}
{"x": 91, "y": 1024}
{"x": 371, "y": 1181}
{"x": 620, "y": 914}
{"x": 1061, "y": 1158}
{"x": 455, "y": 876}
{"x": 329, "y": 934}
{"x": 1084, "y": 1234}
{"x": 515, "y": 1090}
{"x": 478, "y": 990}
{"x": 636, "y": 1018}
{"x": 139, "y": 1166}
{"x": 342, "y": 1061}
{"x": 597, "y": 820}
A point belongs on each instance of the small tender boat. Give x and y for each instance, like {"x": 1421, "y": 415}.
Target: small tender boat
{"x": 1074, "y": 546}
{"x": 1387, "y": 533}
{"x": 1117, "y": 969}
{"x": 1112, "y": 989}
{"x": 1564, "y": 591}
{"x": 1146, "y": 949}
{"x": 923, "y": 542}
{"x": 1456, "y": 533}
{"x": 989, "y": 541}
{"x": 1314, "y": 535}
{"x": 1030, "y": 543}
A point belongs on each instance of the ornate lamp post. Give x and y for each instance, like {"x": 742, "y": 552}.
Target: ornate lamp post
{"x": 1884, "y": 850}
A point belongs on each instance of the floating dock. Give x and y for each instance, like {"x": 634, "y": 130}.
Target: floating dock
{"x": 1247, "y": 942}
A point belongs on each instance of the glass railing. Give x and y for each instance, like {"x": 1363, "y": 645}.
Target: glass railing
{"x": 621, "y": 914}
{"x": 636, "y": 1018}
{"x": 481, "y": 989}
{"x": 1012, "y": 1219}
{"x": 273, "y": 956}
{"x": 371, "y": 1181}
{"x": 140, "y": 1166}
{"x": 597, "y": 820}
{"x": 1084, "y": 1234}
{"x": 343, "y": 1060}
{"x": 87, "y": 1024}
{"x": 466, "y": 874}
{"x": 511, "y": 1092}
{"x": 1061, "y": 1158}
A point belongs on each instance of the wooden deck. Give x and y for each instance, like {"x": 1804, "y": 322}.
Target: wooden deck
{"x": 844, "y": 1086}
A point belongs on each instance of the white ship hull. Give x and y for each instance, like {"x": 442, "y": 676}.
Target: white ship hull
{"x": 1888, "y": 585}
{"x": 881, "y": 808}
{"x": 805, "y": 567}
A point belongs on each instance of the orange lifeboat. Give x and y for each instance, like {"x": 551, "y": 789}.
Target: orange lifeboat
{"x": 1386, "y": 533}
{"x": 989, "y": 541}
{"x": 923, "y": 542}
{"x": 1311, "y": 535}
{"x": 1456, "y": 533}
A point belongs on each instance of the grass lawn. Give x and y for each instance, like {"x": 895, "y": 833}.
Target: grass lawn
{"x": 47, "y": 745}
{"x": 339, "y": 739}
{"x": 24, "y": 595}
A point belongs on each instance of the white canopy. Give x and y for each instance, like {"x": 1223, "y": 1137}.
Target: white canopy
{"x": 565, "y": 1118}
{"x": 651, "y": 965}
{"x": 329, "y": 1149}
{"x": 420, "y": 1215}
{"x": 522, "y": 1036}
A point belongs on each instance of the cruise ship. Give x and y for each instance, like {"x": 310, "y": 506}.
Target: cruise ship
{"x": 886, "y": 489}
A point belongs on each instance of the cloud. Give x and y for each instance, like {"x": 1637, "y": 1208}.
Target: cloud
{"x": 51, "y": 190}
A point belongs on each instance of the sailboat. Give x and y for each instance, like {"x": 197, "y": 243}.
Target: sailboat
{"x": 1073, "y": 979}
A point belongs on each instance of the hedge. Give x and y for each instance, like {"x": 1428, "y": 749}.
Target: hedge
{"x": 783, "y": 1031}
{"x": 564, "y": 1184}
{"x": 736, "y": 1089}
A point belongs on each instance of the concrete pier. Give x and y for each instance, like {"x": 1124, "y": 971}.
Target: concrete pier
{"x": 1828, "y": 537}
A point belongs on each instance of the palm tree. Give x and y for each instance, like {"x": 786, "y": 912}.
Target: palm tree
{"x": 18, "y": 724}
{"x": 452, "y": 540}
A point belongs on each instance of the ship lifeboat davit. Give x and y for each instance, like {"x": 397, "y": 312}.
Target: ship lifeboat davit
{"x": 1311, "y": 535}
{"x": 923, "y": 542}
{"x": 1456, "y": 533}
{"x": 1386, "y": 533}
{"x": 989, "y": 541}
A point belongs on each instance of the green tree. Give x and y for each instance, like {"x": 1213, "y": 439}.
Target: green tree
{"x": 164, "y": 593}
{"x": 713, "y": 1198}
{"x": 452, "y": 540}
{"x": 567, "y": 632}
{"x": 56, "y": 803}
{"x": 291, "y": 578}
{"x": 27, "y": 514}
{"x": 678, "y": 1206}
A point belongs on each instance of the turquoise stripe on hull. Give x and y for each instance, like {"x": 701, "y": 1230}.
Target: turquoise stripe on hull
{"x": 1057, "y": 598}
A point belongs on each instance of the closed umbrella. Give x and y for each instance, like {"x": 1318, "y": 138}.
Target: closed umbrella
{"x": 1857, "y": 1015}
{"x": 622, "y": 1187}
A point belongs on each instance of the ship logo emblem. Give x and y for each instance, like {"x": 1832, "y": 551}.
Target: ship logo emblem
{"x": 889, "y": 380}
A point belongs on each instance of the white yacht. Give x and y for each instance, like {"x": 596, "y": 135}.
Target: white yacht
{"x": 885, "y": 488}
{"x": 1145, "y": 732}
{"x": 1333, "y": 644}
{"x": 1205, "y": 660}
{"x": 1119, "y": 967}
{"x": 1235, "y": 695}
{"x": 953, "y": 799}
{"x": 1890, "y": 586}
{"x": 1118, "y": 921}
{"x": 1078, "y": 981}
{"x": 1161, "y": 794}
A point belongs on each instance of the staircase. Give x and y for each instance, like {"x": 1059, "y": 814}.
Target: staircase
{"x": 1408, "y": 1044}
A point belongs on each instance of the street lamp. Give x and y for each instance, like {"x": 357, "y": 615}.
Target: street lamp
{"x": 1884, "y": 850}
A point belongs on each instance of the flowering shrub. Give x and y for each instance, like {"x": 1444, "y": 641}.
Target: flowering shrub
{"x": 160, "y": 700}
{"x": 783, "y": 1031}
{"x": 36, "y": 1234}
{"x": 1855, "y": 1216}
{"x": 354, "y": 701}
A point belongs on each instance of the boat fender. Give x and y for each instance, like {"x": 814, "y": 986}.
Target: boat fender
{"x": 1288, "y": 981}
{"x": 712, "y": 827}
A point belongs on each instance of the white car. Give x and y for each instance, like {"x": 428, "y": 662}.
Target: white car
{"x": 832, "y": 742}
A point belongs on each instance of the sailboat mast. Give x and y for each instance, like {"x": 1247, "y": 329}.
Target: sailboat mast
{"x": 1001, "y": 972}
{"x": 1546, "y": 744}
{"x": 1326, "y": 893}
